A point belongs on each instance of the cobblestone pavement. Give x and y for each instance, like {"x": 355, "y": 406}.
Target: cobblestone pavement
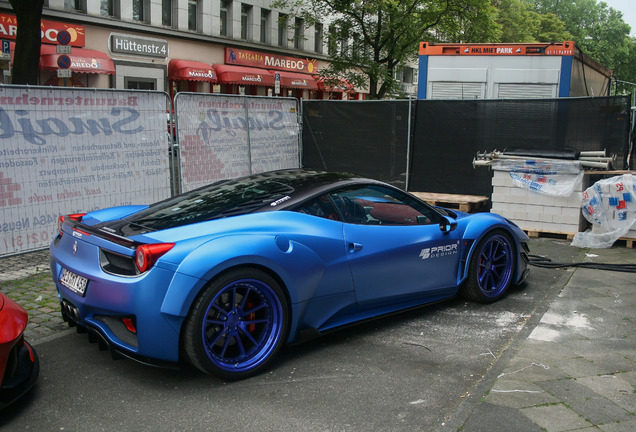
{"x": 26, "y": 278}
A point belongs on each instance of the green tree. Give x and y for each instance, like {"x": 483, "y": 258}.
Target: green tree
{"x": 598, "y": 30}
{"x": 26, "y": 57}
{"x": 515, "y": 20}
{"x": 520, "y": 24}
{"x": 369, "y": 39}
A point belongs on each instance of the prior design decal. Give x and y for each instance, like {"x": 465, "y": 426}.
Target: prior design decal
{"x": 439, "y": 251}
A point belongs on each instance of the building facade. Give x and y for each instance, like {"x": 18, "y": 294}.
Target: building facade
{"x": 212, "y": 46}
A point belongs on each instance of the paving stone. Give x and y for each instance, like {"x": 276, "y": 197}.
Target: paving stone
{"x": 556, "y": 418}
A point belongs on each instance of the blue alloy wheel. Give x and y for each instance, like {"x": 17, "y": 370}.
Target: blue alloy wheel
{"x": 237, "y": 325}
{"x": 491, "y": 268}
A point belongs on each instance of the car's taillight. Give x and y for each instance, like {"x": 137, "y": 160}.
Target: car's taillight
{"x": 60, "y": 221}
{"x": 148, "y": 254}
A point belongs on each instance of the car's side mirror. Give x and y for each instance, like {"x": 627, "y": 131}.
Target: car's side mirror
{"x": 447, "y": 224}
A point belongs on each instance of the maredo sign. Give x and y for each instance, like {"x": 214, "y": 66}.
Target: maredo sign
{"x": 9, "y": 29}
{"x": 269, "y": 61}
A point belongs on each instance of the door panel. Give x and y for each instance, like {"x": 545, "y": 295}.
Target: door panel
{"x": 395, "y": 261}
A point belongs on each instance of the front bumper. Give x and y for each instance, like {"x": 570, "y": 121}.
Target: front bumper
{"x": 21, "y": 373}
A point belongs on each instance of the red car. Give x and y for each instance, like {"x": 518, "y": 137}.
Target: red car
{"x": 19, "y": 365}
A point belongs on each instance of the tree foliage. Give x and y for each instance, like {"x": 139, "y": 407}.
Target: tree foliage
{"x": 369, "y": 39}
{"x": 599, "y": 31}
{"x": 26, "y": 57}
{"x": 520, "y": 24}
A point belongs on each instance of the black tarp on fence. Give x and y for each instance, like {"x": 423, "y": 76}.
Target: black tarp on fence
{"x": 366, "y": 138}
{"x": 436, "y": 148}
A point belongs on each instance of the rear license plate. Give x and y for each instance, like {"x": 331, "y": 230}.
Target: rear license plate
{"x": 75, "y": 283}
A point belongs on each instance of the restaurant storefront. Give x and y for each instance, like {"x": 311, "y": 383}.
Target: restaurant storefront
{"x": 104, "y": 59}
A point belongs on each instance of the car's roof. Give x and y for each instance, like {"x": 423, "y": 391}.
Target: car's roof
{"x": 274, "y": 190}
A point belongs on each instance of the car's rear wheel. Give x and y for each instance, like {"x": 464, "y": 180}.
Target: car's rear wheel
{"x": 491, "y": 268}
{"x": 237, "y": 325}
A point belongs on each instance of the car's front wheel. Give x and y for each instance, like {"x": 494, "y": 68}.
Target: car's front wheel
{"x": 237, "y": 324}
{"x": 491, "y": 268}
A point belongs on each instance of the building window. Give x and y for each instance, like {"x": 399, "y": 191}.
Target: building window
{"x": 166, "y": 13}
{"x": 318, "y": 35}
{"x": 356, "y": 46}
{"x": 192, "y": 14}
{"x": 299, "y": 33}
{"x": 106, "y": 8}
{"x": 265, "y": 25}
{"x": 138, "y": 10}
{"x": 408, "y": 75}
{"x": 73, "y": 4}
{"x": 332, "y": 42}
{"x": 344, "y": 43}
{"x": 224, "y": 24}
{"x": 246, "y": 15}
{"x": 282, "y": 30}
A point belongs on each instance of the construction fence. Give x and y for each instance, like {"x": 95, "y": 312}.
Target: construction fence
{"x": 65, "y": 151}
{"x": 70, "y": 150}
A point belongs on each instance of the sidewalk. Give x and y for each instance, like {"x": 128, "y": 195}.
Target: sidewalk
{"x": 572, "y": 367}
{"x": 26, "y": 278}
{"x": 576, "y": 369}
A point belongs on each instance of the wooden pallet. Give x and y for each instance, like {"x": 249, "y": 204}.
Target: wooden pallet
{"x": 465, "y": 203}
{"x": 552, "y": 234}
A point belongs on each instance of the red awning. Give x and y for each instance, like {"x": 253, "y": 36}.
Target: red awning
{"x": 334, "y": 85}
{"x": 82, "y": 60}
{"x": 231, "y": 74}
{"x": 179, "y": 70}
{"x": 296, "y": 80}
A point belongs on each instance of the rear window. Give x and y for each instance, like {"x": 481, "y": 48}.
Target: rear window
{"x": 208, "y": 203}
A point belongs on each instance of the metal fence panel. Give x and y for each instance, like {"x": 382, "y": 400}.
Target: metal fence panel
{"x": 228, "y": 136}
{"x": 74, "y": 150}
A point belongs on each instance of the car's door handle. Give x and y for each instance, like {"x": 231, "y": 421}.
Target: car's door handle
{"x": 354, "y": 247}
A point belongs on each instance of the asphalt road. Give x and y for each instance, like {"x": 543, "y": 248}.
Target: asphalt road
{"x": 409, "y": 372}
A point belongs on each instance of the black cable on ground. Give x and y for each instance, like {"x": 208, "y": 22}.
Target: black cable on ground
{"x": 541, "y": 261}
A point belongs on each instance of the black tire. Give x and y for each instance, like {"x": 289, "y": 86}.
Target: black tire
{"x": 237, "y": 324}
{"x": 491, "y": 268}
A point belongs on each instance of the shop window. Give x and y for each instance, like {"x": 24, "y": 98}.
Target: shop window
{"x": 282, "y": 30}
{"x": 140, "y": 84}
{"x": 166, "y": 13}
{"x": 299, "y": 33}
{"x": 107, "y": 8}
{"x": 318, "y": 35}
{"x": 246, "y": 21}
{"x": 138, "y": 12}
{"x": 224, "y": 14}
{"x": 192, "y": 14}
{"x": 266, "y": 16}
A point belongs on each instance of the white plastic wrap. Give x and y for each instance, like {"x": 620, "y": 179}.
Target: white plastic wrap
{"x": 548, "y": 177}
{"x": 610, "y": 206}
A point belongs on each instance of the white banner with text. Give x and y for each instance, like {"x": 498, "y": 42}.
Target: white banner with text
{"x": 70, "y": 150}
{"x": 227, "y": 136}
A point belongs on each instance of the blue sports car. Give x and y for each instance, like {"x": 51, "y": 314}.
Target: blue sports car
{"x": 224, "y": 275}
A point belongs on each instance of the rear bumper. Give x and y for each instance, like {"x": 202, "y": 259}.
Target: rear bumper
{"x": 97, "y": 335}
